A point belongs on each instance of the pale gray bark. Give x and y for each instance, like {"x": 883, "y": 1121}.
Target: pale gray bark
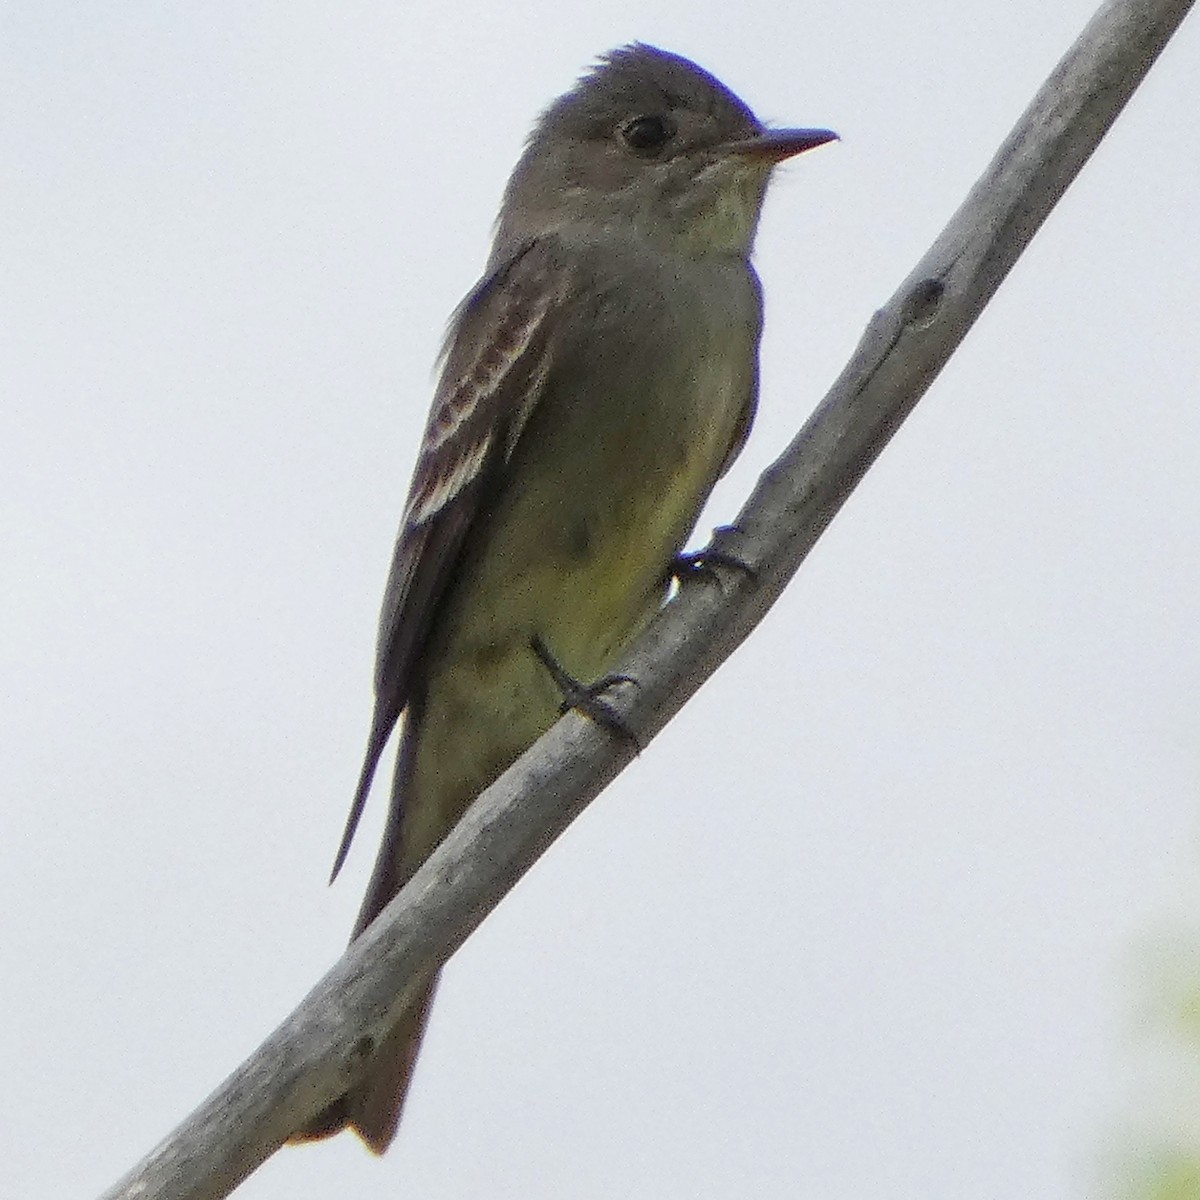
{"x": 324, "y": 1044}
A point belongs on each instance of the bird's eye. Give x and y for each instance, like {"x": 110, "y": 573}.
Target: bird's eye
{"x": 647, "y": 134}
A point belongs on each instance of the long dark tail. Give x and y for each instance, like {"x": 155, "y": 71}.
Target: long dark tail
{"x": 372, "y": 1107}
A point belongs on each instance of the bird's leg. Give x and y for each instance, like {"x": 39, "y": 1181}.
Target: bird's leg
{"x": 586, "y": 697}
{"x": 700, "y": 564}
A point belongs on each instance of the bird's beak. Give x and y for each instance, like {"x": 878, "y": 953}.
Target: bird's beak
{"x": 774, "y": 145}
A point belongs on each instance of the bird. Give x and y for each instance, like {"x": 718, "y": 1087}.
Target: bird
{"x": 594, "y": 385}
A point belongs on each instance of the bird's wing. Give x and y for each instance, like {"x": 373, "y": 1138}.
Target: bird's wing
{"x": 494, "y": 373}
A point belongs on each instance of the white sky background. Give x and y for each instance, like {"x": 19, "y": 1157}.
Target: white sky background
{"x": 867, "y": 919}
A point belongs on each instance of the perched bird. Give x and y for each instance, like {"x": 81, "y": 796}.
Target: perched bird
{"x": 595, "y": 384}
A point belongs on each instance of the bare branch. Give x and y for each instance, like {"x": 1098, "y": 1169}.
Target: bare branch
{"x": 326, "y": 1042}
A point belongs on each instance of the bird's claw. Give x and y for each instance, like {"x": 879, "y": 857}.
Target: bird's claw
{"x": 587, "y": 698}
{"x": 702, "y": 564}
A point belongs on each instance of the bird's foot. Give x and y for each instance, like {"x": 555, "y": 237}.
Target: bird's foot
{"x": 588, "y": 698}
{"x": 702, "y": 564}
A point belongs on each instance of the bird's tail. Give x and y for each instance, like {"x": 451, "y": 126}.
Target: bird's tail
{"x": 373, "y": 1106}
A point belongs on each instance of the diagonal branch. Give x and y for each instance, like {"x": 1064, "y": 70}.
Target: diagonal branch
{"x": 324, "y": 1045}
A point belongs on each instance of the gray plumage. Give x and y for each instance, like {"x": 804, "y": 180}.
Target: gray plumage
{"x": 595, "y": 385}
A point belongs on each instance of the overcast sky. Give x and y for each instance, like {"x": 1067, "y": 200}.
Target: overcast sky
{"x": 878, "y": 915}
